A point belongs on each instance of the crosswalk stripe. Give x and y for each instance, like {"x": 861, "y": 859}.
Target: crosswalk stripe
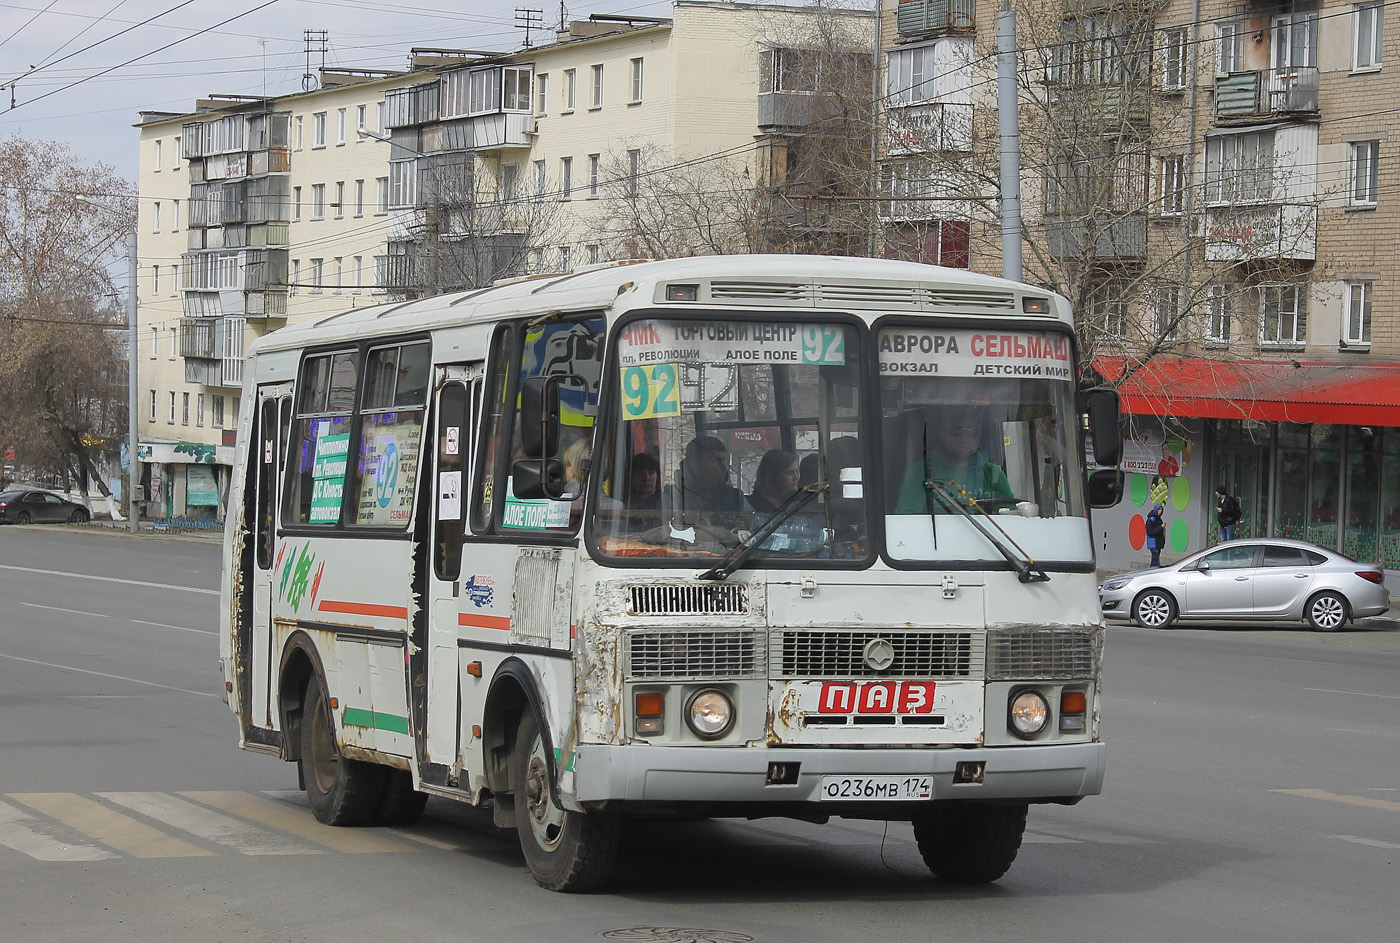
{"x": 211, "y": 826}
{"x": 297, "y": 822}
{"x": 111, "y": 828}
{"x": 24, "y": 833}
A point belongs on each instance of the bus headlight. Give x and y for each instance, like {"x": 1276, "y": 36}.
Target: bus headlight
{"x": 1029, "y": 714}
{"x": 709, "y": 713}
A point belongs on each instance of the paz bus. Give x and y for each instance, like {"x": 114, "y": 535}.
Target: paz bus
{"x": 733, "y": 536}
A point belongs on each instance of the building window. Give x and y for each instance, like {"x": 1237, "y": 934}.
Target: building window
{"x": 171, "y": 419}
{"x": 297, "y": 136}
{"x": 1166, "y": 313}
{"x": 597, "y": 86}
{"x": 1357, "y": 329}
{"x": 594, "y": 175}
{"x": 337, "y": 274}
{"x": 339, "y": 199}
{"x": 318, "y": 129}
{"x": 593, "y": 254}
{"x": 156, "y": 161}
{"x": 508, "y": 185}
{"x": 570, "y": 89}
{"x": 296, "y": 203}
{"x": 317, "y": 274}
{"x": 909, "y": 74}
{"x": 175, "y": 279}
{"x": 1368, "y": 35}
{"x": 339, "y": 126}
{"x": 174, "y": 344}
{"x": 155, "y": 279}
{"x": 360, "y": 117}
{"x": 1171, "y": 177}
{"x": 199, "y": 410}
{"x": 566, "y": 178}
{"x": 1217, "y": 332}
{"x": 1294, "y": 41}
{"x": 1240, "y": 168}
{"x": 381, "y": 201}
{"x": 1098, "y": 50}
{"x": 318, "y": 201}
{"x": 1283, "y": 318}
{"x": 540, "y": 177}
{"x": 217, "y": 417}
{"x": 634, "y": 172}
{"x": 1229, "y": 39}
{"x": 155, "y": 349}
{"x": 1108, "y": 309}
{"x": 155, "y": 216}
{"x": 636, "y": 81}
{"x": 296, "y": 275}
{"x": 174, "y": 215}
{"x": 566, "y": 259}
{"x": 357, "y": 273}
{"x": 184, "y": 409}
{"x": 542, "y": 94}
{"x": 1175, "y": 59}
{"x": 1362, "y": 170}
{"x": 359, "y": 198}
{"x": 152, "y": 416}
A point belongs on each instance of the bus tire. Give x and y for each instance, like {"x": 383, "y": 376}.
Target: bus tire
{"x": 970, "y": 843}
{"x": 565, "y": 850}
{"x": 399, "y": 803}
{"x": 341, "y": 791}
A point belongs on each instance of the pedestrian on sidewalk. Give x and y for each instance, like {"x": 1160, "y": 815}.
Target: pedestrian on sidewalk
{"x": 1227, "y": 513}
{"x": 1156, "y": 534}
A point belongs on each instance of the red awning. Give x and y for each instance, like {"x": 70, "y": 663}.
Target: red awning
{"x": 1273, "y": 391}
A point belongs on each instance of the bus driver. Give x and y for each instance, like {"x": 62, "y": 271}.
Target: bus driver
{"x": 955, "y": 460}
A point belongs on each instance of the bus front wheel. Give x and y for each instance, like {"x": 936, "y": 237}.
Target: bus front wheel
{"x": 970, "y": 843}
{"x": 341, "y": 791}
{"x": 565, "y": 850}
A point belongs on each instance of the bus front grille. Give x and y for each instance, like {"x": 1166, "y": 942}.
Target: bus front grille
{"x": 846, "y": 654}
{"x": 698, "y": 599}
{"x": 1041, "y": 654}
{"x": 682, "y": 655}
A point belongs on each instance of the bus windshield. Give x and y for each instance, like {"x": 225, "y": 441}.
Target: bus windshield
{"x": 982, "y": 419}
{"x": 720, "y": 428}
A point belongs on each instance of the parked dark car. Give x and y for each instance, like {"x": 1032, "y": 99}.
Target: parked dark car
{"x": 39, "y": 507}
{"x": 1273, "y": 579}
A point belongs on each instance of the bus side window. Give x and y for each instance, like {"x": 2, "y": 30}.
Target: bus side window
{"x": 320, "y": 440}
{"x": 485, "y": 493}
{"x": 265, "y": 513}
{"x": 454, "y": 422}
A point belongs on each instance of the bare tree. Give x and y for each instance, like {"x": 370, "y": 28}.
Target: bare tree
{"x": 62, "y": 379}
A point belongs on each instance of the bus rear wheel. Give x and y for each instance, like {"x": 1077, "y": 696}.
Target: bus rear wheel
{"x": 970, "y": 843}
{"x": 341, "y": 791}
{"x": 565, "y": 850}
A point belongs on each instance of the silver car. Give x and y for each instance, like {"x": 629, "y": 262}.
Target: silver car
{"x": 1273, "y": 578}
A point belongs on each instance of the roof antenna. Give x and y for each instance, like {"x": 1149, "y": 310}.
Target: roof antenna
{"x": 528, "y": 18}
{"x": 311, "y": 37}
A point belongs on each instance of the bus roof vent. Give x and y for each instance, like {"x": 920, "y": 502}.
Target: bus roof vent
{"x": 943, "y": 297}
{"x": 870, "y": 296}
{"x": 773, "y": 293}
{"x": 696, "y": 599}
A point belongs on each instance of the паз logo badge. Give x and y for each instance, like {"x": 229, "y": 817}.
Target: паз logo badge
{"x": 480, "y": 590}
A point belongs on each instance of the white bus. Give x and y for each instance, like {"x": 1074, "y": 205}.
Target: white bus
{"x": 737, "y": 536}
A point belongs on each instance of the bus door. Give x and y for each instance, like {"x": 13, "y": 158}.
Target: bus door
{"x": 271, "y": 419}
{"x": 458, "y": 401}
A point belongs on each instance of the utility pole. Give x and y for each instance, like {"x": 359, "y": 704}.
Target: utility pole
{"x": 1009, "y": 131}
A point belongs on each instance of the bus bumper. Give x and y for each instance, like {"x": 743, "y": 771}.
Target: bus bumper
{"x": 1052, "y": 772}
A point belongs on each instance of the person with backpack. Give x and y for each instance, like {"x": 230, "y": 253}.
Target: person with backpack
{"x": 1156, "y": 534}
{"x": 1227, "y": 513}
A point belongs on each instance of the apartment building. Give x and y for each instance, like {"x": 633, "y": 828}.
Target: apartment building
{"x": 1213, "y": 184}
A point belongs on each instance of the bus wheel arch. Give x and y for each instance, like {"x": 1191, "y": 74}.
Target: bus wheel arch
{"x": 513, "y": 692}
{"x": 300, "y": 664}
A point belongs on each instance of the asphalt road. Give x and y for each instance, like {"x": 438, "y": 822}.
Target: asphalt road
{"x": 1253, "y": 794}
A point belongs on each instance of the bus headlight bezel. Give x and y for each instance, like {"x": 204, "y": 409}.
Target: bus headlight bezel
{"x": 1028, "y": 713}
{"x": 709, "y": 713}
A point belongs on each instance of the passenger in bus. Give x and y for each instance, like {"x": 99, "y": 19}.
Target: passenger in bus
{"x": 703, "y": 487}
{"x": 954, "y": 460}
{"x": 644, "y": 489}
{"x": 775, "y": 482}
{"x": 575, "y": 461}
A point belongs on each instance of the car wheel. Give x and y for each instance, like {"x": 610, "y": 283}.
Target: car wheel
{"x": 1154, "y": 609}
{"x": 79, "y": 516}
{"x": 23, "y": 518}
{"x": 1327, "y": 612}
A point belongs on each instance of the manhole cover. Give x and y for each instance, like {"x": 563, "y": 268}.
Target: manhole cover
{"x": 675, "y": 935}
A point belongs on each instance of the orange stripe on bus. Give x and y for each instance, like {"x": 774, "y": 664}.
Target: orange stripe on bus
{"x": 363, "y": 609}
{"x": 483, "y": 622}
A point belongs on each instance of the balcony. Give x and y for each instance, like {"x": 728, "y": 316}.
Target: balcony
{"x": 920, "y": 129}
{"x": 1266, "y": 93}
{"x": 1097, "y": 235}
{"x": 501, "y": 130}
{"x": 1249, "y": 233}
{"x": 917, "y": 17}
{"x": 794, "y": 109}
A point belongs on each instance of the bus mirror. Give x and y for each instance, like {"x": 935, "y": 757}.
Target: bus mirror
{"x": 541, "y": 478}
{"x": 1105, "y": 431}
{"x": 539, "y": 417}
{"x": 1105, "y": 488}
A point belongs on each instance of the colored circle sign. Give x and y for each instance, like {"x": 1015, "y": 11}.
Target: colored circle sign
{"x": 1179, "y": 534}
{"x": 1137, "y": 532}
{"x": 1137, "y": 489}
{"x": 1181, "y": 493}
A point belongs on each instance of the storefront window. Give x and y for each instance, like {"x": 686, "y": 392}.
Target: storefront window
{"x": 1388, "y": 551}
{"x": 1363, "y": 479}
{"x": 1291, "y": 513}
{"x": 1322, "y": 512}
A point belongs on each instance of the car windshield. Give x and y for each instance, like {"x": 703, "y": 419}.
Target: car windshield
{"x": 717, "y": 427}
{"x": 984, "y": 419}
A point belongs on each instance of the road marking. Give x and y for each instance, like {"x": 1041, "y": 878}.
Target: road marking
{"x": 1368, "y": 842}
{"x": 109, "y": 579}
{"x": 103, "y": 674}
{"x": 24, "y": 833}
{"x": 297, "y": 822}
{"x": 76, "y": 612}
{"x": 1388, "y": 697}
{"x": 209, "y": 825}
{"x": 1092, "y": 836}
{"x": 108, "y": 826}
{"x": 181, "y": 628}
{"x": 1363, "y": 801}
{"x": 1039, "y": 838}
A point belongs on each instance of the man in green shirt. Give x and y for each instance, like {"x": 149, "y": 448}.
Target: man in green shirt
{"x": 955, "y": 462}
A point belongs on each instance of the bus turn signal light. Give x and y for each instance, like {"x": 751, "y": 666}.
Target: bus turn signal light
{"x": 1073, "y": 707}
{"x": 650, "y": 710}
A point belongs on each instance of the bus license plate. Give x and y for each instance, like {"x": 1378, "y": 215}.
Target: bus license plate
{"x": 864, "y": 788}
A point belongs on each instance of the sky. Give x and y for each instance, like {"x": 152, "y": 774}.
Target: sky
{"x": 81, "y": 71}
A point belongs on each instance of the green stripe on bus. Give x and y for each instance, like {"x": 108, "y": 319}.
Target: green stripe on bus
{"x": 358, "y": 717}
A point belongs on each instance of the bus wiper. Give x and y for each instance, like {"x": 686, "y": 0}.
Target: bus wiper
{"x": 1026, "y": 569}
{"x": 737, "y": 557}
